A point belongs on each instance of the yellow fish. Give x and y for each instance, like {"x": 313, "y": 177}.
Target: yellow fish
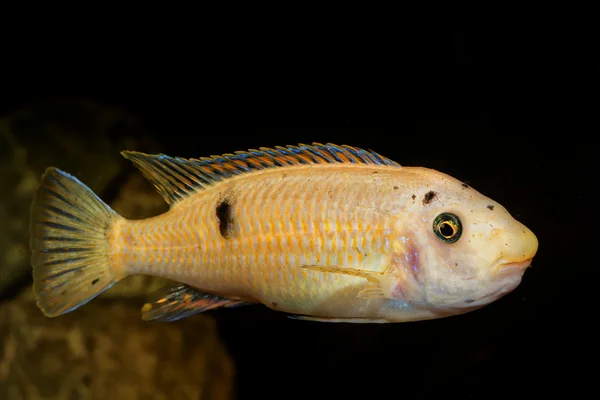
{"x": 323, "y": 232}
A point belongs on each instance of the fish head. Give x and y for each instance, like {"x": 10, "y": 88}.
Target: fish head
{"x": 466, "y": 249}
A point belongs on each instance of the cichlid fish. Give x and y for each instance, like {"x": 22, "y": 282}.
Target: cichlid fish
{"x": 323, "y": 232}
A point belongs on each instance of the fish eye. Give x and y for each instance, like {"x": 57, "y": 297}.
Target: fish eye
{"x": 447, "y": 227}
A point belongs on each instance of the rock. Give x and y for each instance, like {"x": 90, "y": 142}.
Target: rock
{"x": 17, "y": 186}
{"x": 105, "y": 351}
{"x": 73, "y": 136}
{"x": 102, "y": 350}
{"x": 79, "y": 137}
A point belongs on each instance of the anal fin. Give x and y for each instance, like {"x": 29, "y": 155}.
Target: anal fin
{"x": 181, "y": 301}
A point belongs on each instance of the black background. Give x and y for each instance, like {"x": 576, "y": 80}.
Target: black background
{"x": 515, "y": 116}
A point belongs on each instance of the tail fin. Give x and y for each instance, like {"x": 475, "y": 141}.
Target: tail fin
{"x": 69, "y": 244}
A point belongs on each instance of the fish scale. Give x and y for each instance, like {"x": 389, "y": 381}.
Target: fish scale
{"x": 332, "y": 233}
{"x": 255, "y": 262}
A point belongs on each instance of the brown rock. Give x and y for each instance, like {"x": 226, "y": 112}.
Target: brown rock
{"x": 102, "y": 350}
{"x": 73, "y": 136}
{"x": 105, "y": 351}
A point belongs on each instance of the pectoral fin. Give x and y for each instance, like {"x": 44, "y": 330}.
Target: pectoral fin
{"x": 174, "y": 303}
{"x": 377, "y": 281}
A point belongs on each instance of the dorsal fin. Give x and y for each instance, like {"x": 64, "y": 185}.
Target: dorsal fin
{"x": 176, "y": 178}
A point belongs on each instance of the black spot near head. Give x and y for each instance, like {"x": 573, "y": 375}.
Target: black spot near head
{"x": 464, "y": 185}
{"x": 490, "y": 207}
{"x": 224, "y": 216}
{"x": 95, "y": 281}
{"x": 429, "y": 196}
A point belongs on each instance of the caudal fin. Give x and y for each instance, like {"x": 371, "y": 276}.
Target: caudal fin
{"x": 68, "y": 239}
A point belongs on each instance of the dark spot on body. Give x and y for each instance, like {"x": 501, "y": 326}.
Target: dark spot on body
{"x": 429, "y": 196}
{"x": 465, "y": 185}
{"x": 414, "y": 197}
{"x": 456, "y": 264}
{"x": 469, "y": 301}
{"x": 490, "y": 207}
{"x": 375, "y": 172}
{"x": 63, "y": 292}
{"x": 274, "y": 304}
{"x": 224, "y": 215}
{"x": 95, "y": 281}
{"x": 395, "y": 187}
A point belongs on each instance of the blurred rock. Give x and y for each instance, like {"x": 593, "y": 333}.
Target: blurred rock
{"x": 105, "y": 351}
{"x": 17, "y": 186}
{"x": 102, "y": 350}
{"x": 81, "y": 138}
{"x": 138, "y": 199}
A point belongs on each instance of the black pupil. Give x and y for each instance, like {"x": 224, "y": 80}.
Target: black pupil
{"x": 446, "y": 229}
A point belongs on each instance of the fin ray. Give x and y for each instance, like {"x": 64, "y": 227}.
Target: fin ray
{"x": 181, "y": 301}
{"x": 372, "y": 291}
{"x": 371, "y": 276}
{"x": 378, "y": 282}
{"x": 70, "y": 254}
{"x": 176, "y": 178}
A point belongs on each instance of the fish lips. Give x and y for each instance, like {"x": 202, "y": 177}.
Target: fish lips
{"x": 512, "y": 268}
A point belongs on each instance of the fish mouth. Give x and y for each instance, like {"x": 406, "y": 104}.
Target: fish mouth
{"x": 511, "y": 268}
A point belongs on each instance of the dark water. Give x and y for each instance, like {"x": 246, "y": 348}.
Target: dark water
{"x": 524, "y": 140}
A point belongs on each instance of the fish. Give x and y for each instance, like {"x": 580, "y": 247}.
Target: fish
{"x": 322, "y": 232}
